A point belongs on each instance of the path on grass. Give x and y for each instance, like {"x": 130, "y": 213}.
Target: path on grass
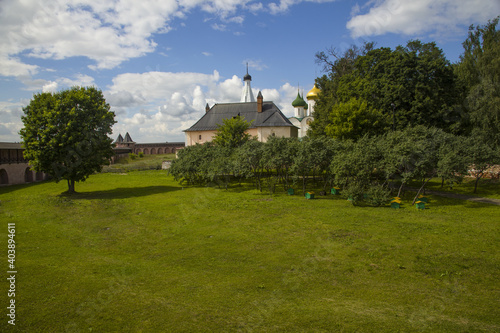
{"x": 462, "y": 196}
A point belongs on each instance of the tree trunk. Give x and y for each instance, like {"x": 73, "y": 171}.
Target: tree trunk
{"x": 419, "y": 190}
{"x": 477, "y": 181}
{"x": 400, "y": 189}
{"x": 71, "y": 186}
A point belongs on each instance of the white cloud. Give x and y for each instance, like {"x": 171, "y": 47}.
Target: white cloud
{"x": 81, "y": 80}
{"x": 106, "y": 32}
{"x": 50, "y": 87}
{"x": 283, "y": 5}
{"x": 255, "y": 7}
{"x": 58, "y": 83}
{"x": 235, "y": 19}
{"x": 155, "y": 85}
{"x": 151, "y": 105}
{"x": 12, "y": 66}
{"x": 409, "y": 17}
{"x": 219, "y": 27}
{"x": 255, "y": 64}
{"x": 11, "y": 124}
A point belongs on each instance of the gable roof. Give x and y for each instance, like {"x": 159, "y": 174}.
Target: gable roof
{"x": 270, "y": 116}
{"x": 119, "y": 139}
{"x": 128, "y": 138}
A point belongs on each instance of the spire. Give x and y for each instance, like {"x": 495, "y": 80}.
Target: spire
{"x": 246, "y": 94}
{"x": 247, "y": 77}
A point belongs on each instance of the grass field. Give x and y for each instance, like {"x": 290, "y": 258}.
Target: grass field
{"x": 137, "y": 252}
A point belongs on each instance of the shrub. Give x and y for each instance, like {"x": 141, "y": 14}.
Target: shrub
{"x": 354, "y": 191}
{"x": 378, "y": 194}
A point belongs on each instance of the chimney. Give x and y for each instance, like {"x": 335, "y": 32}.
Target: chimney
{"x": 207, "y": 108}
{"x": 259, "y": 102}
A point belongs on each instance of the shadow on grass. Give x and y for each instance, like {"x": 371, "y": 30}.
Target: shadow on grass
{"x": 120, "y": 193}
{"x": 4, "y": 189}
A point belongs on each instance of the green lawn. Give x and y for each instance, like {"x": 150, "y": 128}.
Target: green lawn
{"x": 137, "y": 252}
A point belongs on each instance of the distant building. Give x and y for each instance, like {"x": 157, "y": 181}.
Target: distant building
{"x": 304, "y": 110}
{"x": 265, "y": 117}
{"x": 124, "y": 146}
{"x": 14, "y": 168}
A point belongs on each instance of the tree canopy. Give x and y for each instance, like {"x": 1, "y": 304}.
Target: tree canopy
{"x": 336, "y": 65}
{"x": 412, "y": 85}
{"x": 65, "y": 133}
{"x": 353, "y": 119}
{"x": 232, "y": 132}
{"x": 479, "y": 73}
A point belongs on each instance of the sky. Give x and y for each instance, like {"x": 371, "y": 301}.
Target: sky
{"x": 159, "y": 62}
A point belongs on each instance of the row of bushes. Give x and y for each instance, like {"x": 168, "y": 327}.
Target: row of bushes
{"x": 368, "y": 168}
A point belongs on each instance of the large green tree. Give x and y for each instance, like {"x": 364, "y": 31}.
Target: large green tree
{"x": 336, "y": 64}
{"x": 415, "y": 84}
{"x": 65, "y": 133}
{"x": 479, "y": 72}
{"x": 410, "y": 85}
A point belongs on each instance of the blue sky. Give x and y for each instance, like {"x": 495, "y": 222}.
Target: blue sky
{"x": 159, "y": 62}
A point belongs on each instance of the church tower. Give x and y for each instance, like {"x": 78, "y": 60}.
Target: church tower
{"x": 304, "y": 110}
{"x": 311, "y": 97}
{"x": 246, "y": 94}
{"x": 300, "y": 106}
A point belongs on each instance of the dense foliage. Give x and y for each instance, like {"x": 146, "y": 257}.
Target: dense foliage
{"x": 65, "y": 134}
{"x": 367, "y": 170}
{"x": 410, "y": 85}
{"x": 479, "y": 72}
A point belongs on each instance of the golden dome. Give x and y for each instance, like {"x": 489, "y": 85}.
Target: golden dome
{"x": 313, "y": 93}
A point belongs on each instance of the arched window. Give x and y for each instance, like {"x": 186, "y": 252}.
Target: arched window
{"x": 153, "y": 151}
{"x": 146, "y": 151}
{"x": 160, "y": 151}
{"x": 4, "y": 177}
